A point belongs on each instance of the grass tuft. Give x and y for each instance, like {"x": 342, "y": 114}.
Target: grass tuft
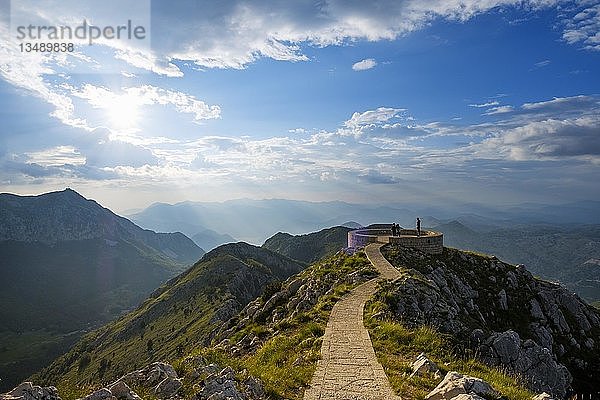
{"x": 397, "y": 346}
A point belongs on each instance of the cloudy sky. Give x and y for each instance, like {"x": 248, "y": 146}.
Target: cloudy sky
{"x": 399, "y": 101}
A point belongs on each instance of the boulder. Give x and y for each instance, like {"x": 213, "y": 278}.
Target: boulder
{"x": 502, "y": 300}
{"x": 159, "y": 377}
{"x": 423, "y": 365}
{"x": 506, "y": 347}
{"x": 542, "y": 396}
{"x": 120, "y": 390}
{"x": 27, "y": 391}
{"x": 465, "y": 396}
{"x": 100, "y": 394}
{"x": 150, "y": 375}
{"x": 167, "y": 387}
{"x": 536, "y": 310}
{"x": 224, "y": 386}
{"x": 455, "y": 384}
{"x": 535, "y": 363}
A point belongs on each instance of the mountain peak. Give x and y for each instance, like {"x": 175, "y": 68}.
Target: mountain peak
{"x": 65, "y": 193}
{"x": 68, "y": 216}
{"x": 69, "y": 190}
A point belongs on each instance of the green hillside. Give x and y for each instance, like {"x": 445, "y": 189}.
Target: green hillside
{"x": 176, "y": 319}
{"x": 310, "y": 247}
{"x": 75, "y": 284}
{"x": 54, "y": 293}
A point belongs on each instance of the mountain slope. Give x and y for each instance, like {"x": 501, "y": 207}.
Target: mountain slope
{"x": 310, "y": 247}
{"x": 470, "y": 313}
{"x": 67, "y": 216}
{"x": 501, "y": 312}
{"x": 177, "y": 318}
{"x": 69, "y": 264}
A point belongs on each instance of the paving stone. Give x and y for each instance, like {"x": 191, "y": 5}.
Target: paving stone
{"x": 349, "y": 369}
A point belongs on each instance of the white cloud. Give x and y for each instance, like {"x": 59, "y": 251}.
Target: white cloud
{"x": 484, "y": 105}
{"x": 584, "y": 27}
{"x": 182, "y": 102}
{"x": 146, "y": 60}
{"x": 499, "y": 110}
{"x": 547, "y": 139}
{"x": 364, "y": 64}
{"x": 56, "y": 156}
{"x": 529, "y": 143}
{"x": 123, "y": 107}
{"x": 233, "y": 34}
{"x": 27, "y": 70}
{"x": 562, "y": 103}
{"x": 381, "y": 114}
{"x": 297, "y": 130}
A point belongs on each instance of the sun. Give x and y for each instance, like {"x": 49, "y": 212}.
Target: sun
{"x": 123, "y": 113}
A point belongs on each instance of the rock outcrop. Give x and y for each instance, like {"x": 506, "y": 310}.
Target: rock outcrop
{"x": 542, "y": 396}
{"x": 224, "y": 385}
{"x": 296, "y": 295}
{"x": 461, "y": 387}
{"x": 159, "y": 377}
{"x": 27, "y": 391}
{"x": 423, "y": 365}
{"x": 210, "y": 381}
{"x": 531, "y": 327}
{"x": 528, "y": 359}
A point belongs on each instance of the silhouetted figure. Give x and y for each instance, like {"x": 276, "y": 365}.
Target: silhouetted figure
{"x": 418, "y": 227}
{"x": 394, "y": 229}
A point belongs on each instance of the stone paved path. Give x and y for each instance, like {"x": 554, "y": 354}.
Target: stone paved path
{"x": 349, "y": 369}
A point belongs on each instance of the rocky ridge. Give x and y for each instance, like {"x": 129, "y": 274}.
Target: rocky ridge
{"x": 280, "y": 306}
{"x": 299, "y": 294}
{"x": 161, "y": 381}
{"x": 533, "y": 328}
{"x": 180, "y": 316}
{"x": 485, "y": 304}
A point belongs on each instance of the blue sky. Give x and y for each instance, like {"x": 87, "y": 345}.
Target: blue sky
{"x": 445, "y": 102}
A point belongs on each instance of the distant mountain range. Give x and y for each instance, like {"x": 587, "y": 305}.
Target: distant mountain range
{"x": 209, "y": 239}
{"x": 567, "y": 253}
{"x": 555, "y": 241}
{"x": 68, "y": 264}
{"x": 254, "y": 221}
{"x": 67, "y": 216}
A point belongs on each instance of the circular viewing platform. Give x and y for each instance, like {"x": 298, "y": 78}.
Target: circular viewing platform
{"x": 428, "y": 241}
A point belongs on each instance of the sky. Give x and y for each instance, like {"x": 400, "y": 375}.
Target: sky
{"x": 494, "y": 102}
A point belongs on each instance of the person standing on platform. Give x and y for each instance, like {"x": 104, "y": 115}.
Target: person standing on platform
{"x": 418, "y": 226}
